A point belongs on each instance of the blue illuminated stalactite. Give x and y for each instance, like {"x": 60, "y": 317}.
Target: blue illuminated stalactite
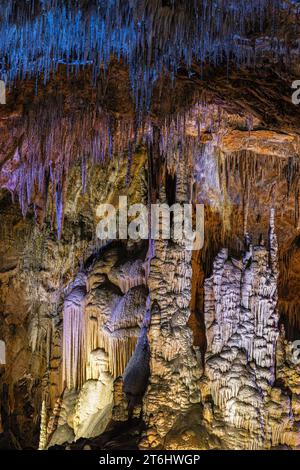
{"x": 150, "y": 38}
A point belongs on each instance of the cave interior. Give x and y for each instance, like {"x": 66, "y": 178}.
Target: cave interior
{"x": 139, "y": 342}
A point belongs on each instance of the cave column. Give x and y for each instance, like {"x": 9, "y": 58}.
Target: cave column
{"x": 175, "y": 373}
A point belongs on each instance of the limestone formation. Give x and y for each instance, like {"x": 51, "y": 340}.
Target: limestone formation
{"x": 174, "y": 380}
{"x": 94, "y": 404}
{"x": 239, "y": 387}
{"x": 139, "y": 342}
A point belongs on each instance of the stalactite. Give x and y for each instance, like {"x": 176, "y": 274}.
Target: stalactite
{"x": 74, "y": 335}
{"x": 218, "y": 176}
{"x": 128, "y": 275}
{"x": 58, "y": 138}
{"x": 119, "y": 351}
{"x": 290, "y": 311}
{"x": 150, "y": 37}
{"x": 153, "y": 39}
{"x": 116, "y": 334}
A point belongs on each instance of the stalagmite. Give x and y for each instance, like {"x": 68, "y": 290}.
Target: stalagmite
{"x": 241, "y": 324}
{"x": 43, "y": 427}
{"x": 174, "y": 380}
{"x": 94, "y": 404}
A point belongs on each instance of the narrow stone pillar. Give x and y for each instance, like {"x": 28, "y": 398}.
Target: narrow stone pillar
{"x": 174, "y": 370}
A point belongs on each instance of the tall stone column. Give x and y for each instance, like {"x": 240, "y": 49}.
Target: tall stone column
{"x": 241, "y": 317}
{"x": 175, "y": 373}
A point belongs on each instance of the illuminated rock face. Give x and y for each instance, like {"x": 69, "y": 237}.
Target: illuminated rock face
{"x": 118, "y": 336}
{"x": 241, "y": 318}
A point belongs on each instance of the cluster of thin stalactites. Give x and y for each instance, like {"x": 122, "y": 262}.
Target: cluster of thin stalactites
{"x": 152, "y": 37}
{"x": 53, "y": 140}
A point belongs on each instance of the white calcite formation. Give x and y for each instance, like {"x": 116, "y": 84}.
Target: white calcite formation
{"x": 95, "y": 401}
{"x": 114, "y": 323}
{"x": 242, "y": 403}
{"x": 43, "y": 427}
{"x": 74, "y": 334}
{"x": 175, "y": 373}
{"x": 61, "y": 423}
{"x": 102, "y": 314}
{"x": 103, "y": 317}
